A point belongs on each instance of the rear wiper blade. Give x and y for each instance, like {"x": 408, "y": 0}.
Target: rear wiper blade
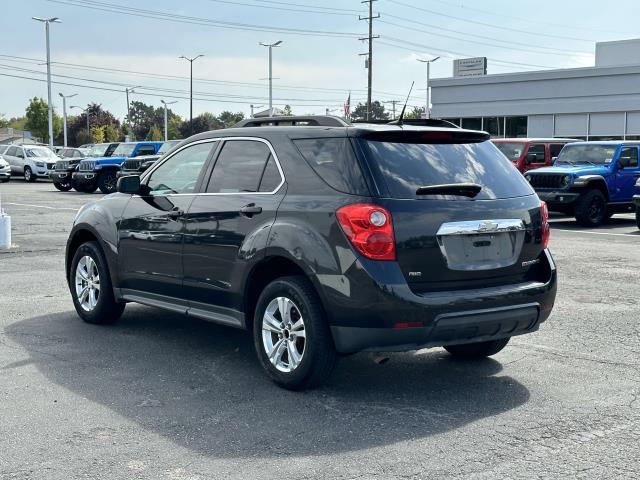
{"x": 462, "y": 189}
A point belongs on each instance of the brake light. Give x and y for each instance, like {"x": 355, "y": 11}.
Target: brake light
{"x": 369, "y": 229}
{"x": 546, "y": 232}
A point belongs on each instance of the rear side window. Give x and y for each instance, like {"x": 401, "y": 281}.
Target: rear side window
{"x": 240, "y": 167}
{"x": 536, "y": 149}
{"x": 554, "y": 149}
{"x": 405, "y": 167}
{"x": 334, "y": 161}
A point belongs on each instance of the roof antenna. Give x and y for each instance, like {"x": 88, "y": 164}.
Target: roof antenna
{"x": 401, "y": 118}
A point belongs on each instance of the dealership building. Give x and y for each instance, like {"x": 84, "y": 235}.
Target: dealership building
{"x": 592, "y": 103}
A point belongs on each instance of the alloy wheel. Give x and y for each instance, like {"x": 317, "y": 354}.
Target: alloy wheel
{"x": 283, "y": 334}
{"x": 87, "y": 281}
{"x": 596, "y": 209}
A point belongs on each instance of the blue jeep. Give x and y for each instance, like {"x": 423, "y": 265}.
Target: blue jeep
{"x": 590, "y": 180}
{"x": 94, "y": 173}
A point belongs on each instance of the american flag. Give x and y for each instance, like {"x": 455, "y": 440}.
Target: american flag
{"x": 347, "y": 106}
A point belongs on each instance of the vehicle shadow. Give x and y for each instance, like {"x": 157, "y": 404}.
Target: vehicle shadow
{"x": 200, "y": 386}
{"x": 615, "y": 222}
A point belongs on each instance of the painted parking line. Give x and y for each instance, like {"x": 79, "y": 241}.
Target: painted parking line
{"x": 595, "y": 233}
{"x": 40, "y": 206}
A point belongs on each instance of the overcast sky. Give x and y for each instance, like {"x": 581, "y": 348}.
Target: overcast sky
{"x": 317, "y": 64}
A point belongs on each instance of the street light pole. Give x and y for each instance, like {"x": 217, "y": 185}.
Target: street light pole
{"x": 271, "y": 46}
{"x": 64, "y": 114}
{"x": 427, "y": 110}
{"x": 166, "y": 123}
{"x": 46, "y": 22}
{"x": 191, "y": 60}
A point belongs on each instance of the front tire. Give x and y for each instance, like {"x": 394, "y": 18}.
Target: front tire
{"x": 291, "y": 335}
{"x": 477, "y": 350}
{"x": 63, "y": 187}
{"x": 591, "y": 209}
{"x": 107, "y": 182}
{"x": 91, "y": 288}
{"x": 28, "y": 175}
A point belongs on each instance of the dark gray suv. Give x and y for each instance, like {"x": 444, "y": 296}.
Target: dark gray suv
{"x": 324, "y": 238}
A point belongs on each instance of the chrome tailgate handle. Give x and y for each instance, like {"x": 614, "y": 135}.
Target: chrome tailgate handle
{"x": 471, "y": 227}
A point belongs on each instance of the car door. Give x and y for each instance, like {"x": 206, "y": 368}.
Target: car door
{"x": 152, "y": 226}
{"x": 535, "y": 157}
{"x": 626, "y": 174}
{"x": 229, "y": 223}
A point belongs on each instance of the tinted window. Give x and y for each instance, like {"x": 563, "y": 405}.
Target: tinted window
{"x": 13, "y": 151}
{"x": 334, "y": 162}
{"x": 239, "y": 167}
{"x": 405, "y": 167}
{"x": 536, "y": 149}
{"x": 146, "y": 150}
{"x": 555, "y": 149}
{"x": 271, "y": 177}
{"x": 629, "y": 157}
{"x": 179, "y": 174}
{"x": 511, "y": 150}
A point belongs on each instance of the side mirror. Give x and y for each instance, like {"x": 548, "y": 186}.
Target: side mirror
{"x": 129, "y": 184}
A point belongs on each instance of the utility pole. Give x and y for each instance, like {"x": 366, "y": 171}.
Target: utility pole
{"x": 427, "y": 109}
{"x": 370, "y": 18}
{"x": 46, "y": 22}
{"x": 166, "y": 123}
{"x": 64, "y": 114}
{"x": 191, "y": 60}
{"x": 271, "y": 46}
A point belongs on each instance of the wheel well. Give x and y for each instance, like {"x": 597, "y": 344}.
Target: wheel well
{"x": 80, "y": 237}
{"x": 597, "y": 185}
{"x": 264, "y": 273}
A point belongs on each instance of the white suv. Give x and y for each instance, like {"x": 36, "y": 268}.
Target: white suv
{"x": 30, "y": 161}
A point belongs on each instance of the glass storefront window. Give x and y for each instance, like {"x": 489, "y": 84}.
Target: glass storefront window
{"x": 472, "y": 123}
{"x": 516, "y": 127}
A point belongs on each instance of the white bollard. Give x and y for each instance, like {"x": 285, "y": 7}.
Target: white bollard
{"x": 5, "y": 228}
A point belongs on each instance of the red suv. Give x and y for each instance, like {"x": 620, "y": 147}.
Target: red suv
{"x": 530, "y": 153}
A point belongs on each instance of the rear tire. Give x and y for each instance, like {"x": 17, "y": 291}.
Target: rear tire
{"x": 88, "y": 270}
{"x": 300, "y": 343}
{"x": 28, "y": 175}
{"x": 107, "y": 182}
{"x": 591, "y": 209}
{"x": 477, "y": 350}
{"x": 63, "y": 187}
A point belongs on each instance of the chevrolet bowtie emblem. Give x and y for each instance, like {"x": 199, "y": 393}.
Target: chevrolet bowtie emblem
{"x": 487, "y": 226}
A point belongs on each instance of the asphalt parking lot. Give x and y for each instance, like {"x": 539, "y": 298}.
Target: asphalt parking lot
{"x": 161, "y": 396}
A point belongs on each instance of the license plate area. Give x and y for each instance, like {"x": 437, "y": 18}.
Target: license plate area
{"x": 481, "y": 244}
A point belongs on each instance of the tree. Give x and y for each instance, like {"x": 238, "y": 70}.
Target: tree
{"x": 38, "y": 119}
{"x": 174, "y": 123}
{"x": 377, "y": 112}
{"x": 202, "y": 123}
{"x": 154, "y": 134}
{"x": 4, "y": 123}
{"x": 97, "y": 134}
{"x": 229, "y": 119}
{"x": 415, "y": 113}
{"x": 97, "y": 117}
{"x": 83, "y": 137}
{"x": 111, "y": 133}
{"x": 287, "y": 110}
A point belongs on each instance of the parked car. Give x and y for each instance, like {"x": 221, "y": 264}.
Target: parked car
{"x": 30, "y": 161}
{"x": 531, "y": 153}
{"x": 324, "y": 241}
{"x": 102, "y": 172}
{"x": 62, "y": 175}
{"x": 69, "y": 152}
{"x": 139, "y": 164}
{"x": 590, "y": 180}
{"x": 5, "y": 170}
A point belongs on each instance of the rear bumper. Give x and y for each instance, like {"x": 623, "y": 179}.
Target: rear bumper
{"x": 559, "y": 198}
{"x": 447, "y": 329}
{"x": 375, "y": 316}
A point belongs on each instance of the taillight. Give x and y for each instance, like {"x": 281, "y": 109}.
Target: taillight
{"x": 546, "y": 232}
{"x": 368, "y": 227}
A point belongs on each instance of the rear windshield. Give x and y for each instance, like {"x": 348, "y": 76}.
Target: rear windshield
{"x": 405, "y": 167}
{"x": 512, "y": 150}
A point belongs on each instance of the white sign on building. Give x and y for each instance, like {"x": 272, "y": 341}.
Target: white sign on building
{"x": 470, "y": 67}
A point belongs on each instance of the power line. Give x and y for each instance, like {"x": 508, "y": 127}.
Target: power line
{"x": 171, "y": 17}
{"x": 286, "y": 9}
{"x": 499, "y": 27}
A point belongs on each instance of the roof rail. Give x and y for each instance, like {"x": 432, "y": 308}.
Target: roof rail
{"x": 423, "y": 122}
{"x": 299, "y": 121}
